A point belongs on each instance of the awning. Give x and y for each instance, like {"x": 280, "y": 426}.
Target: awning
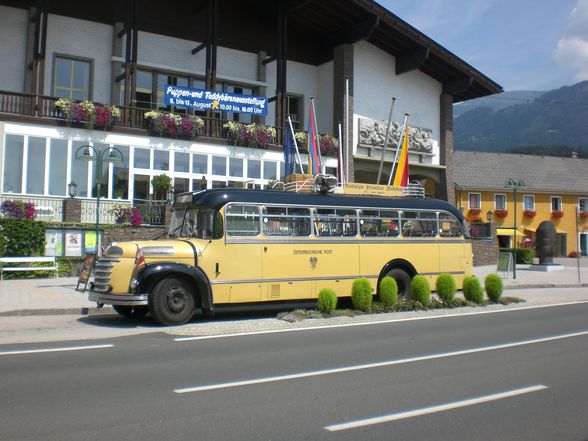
{"x": 508, "y": 232}
{"x": 534, "y": 229}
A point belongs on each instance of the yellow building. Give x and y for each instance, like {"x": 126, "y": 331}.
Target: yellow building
{"x": 547, "y": 189}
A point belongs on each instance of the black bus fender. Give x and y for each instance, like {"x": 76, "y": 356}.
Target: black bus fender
{"x": 151, "y": 274}
{"x": 397, "y": 264}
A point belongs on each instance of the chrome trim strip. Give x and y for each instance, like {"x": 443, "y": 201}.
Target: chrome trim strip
{"x": 351, "y": 241}
{"x": 308, "y": 279}
{"x": 119, "y": 299}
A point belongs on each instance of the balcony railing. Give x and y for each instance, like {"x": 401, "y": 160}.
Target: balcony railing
{"x": 24, "y": 104}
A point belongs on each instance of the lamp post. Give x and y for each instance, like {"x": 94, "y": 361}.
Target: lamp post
{"x": 515, "y": 185}
{"x": 89, "y": 153}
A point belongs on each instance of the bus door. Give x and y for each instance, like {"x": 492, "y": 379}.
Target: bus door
{"x": 286, "y": 272}
{"x": 334, "y": 258}
{"x": 238, "y": 268}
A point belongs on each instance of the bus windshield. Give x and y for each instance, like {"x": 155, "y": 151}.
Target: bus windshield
{"x": 201, "y": 223}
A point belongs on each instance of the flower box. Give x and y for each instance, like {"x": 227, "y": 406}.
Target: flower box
{"x": 557, "y": 214}
{"x": 529, "y": 213}
{"x": 329, "y": 144}
{"x": 87, "y": 114}
{"x": 250, "y": 135}
{"x": 584, "y": 214}
{"x": 500, "y": 212}
{"x": 173, "y": 125}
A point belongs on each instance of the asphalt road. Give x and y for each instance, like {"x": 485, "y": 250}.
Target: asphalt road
{"x": 512, "y": 375}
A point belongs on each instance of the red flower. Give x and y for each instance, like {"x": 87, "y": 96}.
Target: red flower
{"x": 500, "y": 212}
{"x": 584, "y": 214}
{"x": 557, "y": 214}
{"x": 529, "y": 213}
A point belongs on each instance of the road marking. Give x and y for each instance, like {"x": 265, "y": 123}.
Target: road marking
{"x": 434, "y": 409}
{"x": 381, "y": 322}
{"x": 70, "y": 348}
{"x": 373, "y": 365}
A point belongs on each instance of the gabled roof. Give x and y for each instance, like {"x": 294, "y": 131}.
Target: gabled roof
{"x": 477, "y": 170}
{"x": 315, "y": 27}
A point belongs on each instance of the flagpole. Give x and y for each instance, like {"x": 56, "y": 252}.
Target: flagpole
{"x": 400, "y": 138}
{"x": 340, "y": 159}
{"x": 295, "y": 146}
{"x": 318, "y": 141}
{"x": 385, "y": 140}
{"x": 347, "y": 129}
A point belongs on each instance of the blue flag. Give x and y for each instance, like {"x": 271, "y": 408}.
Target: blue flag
{"x": 289, "y": 155}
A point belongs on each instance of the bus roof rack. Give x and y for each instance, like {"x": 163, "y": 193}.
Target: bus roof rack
{"x": 324, "y": 183}
{"x": 414, "y": 190}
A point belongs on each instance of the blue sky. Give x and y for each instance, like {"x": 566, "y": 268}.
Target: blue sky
{"x": 520, "y": 44}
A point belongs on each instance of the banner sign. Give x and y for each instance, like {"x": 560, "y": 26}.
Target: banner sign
{"x": 201, "y": 99}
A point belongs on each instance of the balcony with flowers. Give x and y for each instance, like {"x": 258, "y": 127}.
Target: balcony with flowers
{"x": 88, "y": 114}
{"x": 473, "y": 215}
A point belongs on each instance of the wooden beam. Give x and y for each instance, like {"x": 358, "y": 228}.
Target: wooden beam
{"x": 285, "y": 6}
{"x": 412, "y": 61}
{"x": 357, "y": 32}
{"x": 457, "y": 86}
{"x": 269, "y": 60}
{"x": 198, "y": 48}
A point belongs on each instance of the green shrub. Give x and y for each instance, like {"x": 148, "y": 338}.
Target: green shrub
{"x": 388, "y": 291}
{"x": 445, "y": 287}
{"x": 472, "y": 290}
{"x": 22, "y": 237}
{"x": 421, "y": 290}
{"x": 327, "y": 301}
{"x": 361, "y": 295}
{"x": 493, "y": 285}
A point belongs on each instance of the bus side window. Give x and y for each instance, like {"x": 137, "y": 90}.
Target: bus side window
{"x": 242, "y": 220}
{"x": 449, "y": 225}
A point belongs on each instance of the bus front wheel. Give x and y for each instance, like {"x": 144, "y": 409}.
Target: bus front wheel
{"x": 403, "y": 281}
{"x": 172, "y": 302}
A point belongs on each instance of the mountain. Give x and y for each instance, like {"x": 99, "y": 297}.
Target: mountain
{"x": 497, "y": 102}
{"x": 555, "y": 118}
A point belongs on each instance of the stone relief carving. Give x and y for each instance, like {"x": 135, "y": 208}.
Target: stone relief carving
{"x": 373, "y": 133}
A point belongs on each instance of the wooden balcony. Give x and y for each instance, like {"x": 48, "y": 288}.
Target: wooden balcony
{"x": 23, "y": 107}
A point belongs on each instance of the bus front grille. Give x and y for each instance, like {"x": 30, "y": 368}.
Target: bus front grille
{"x": 102, "y": 273}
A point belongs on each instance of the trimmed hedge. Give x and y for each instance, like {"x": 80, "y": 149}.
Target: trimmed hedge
{"x": 327, "y": 301}
{"x": 524, "y": 255}
{"x": 421, "y": 290}
{"x": 472, "y": 290}
{"x": 361, "y": 295}
{"x": 22, "y": 237}
{"x": 493, "y": 285}
{"x": 445, "y": 287}
{"x": 388, "y": 291}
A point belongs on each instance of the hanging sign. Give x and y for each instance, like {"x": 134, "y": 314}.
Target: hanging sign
{"x": 201, "y": 99}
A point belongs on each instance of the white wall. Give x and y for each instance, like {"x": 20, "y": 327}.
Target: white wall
{"x": 81, "y": 38}
{"x": 324, "y": 104}
{"x": 13, "y": 31}
{"x": 376, "y": 82}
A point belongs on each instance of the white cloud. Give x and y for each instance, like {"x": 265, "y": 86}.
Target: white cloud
{"x": 572, "y": 49}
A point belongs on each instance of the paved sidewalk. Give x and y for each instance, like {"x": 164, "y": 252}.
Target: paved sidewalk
{"x": 58, "y": 296}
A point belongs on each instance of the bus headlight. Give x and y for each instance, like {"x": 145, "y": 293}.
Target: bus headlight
{"x": 134, "y": 285}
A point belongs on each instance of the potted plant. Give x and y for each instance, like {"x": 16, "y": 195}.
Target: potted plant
{"x": 584, "y": 214}
{"x": 174, "y": 125}
{"x": 249, "y": 135}
{"x": 557, "y": 214}
{"x": 161, "y": 184}
{"x": 529, "y": 213}
{"x": 474, "y": 215}
{"x": 126, "y": 214}
{"x": 91, "y": 115}
{"x": 501, "y": 212}
{"x": 329, "y": 145}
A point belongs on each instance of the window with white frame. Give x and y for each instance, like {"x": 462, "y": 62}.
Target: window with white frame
{"x": 474, "y": 200}
{"x": 556, "y": 203}
{"x": 583, "y": 205}
{"x": 529, "y": 202}
{"x": 500, "y": 201}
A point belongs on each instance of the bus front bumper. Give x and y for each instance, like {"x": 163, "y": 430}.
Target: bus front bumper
{"x": 118, "y": 299}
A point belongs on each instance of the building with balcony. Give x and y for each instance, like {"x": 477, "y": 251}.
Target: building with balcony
{"x": 352, "y": 56}
{"x": 548, "y": 189}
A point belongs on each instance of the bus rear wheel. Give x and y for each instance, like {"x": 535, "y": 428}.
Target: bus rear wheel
{"x": 132, "y": 312}
{"x": 172, "y": 302}
{"x": 403, "y": 281}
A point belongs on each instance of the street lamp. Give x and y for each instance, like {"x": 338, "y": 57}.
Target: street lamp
{"x": 110, "y": 155}
{"x": 515, "y": 185}
{"x": 72, "y": 189}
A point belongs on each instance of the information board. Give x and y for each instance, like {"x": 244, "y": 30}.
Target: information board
{"x": 505, "y": 262}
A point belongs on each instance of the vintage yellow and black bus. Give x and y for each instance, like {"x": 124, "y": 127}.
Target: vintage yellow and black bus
{"x": 234, "y": 246}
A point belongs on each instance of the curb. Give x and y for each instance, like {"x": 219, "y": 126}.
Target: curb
{"x": 58, "y": 311}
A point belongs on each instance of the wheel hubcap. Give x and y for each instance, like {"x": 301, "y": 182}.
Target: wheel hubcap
{"x": 176, "y": 300}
